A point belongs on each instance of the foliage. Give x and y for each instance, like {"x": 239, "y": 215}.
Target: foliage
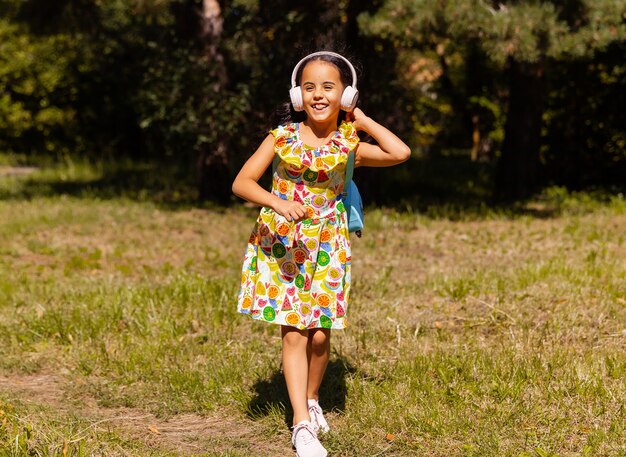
{"x": 584, "y": 121}
{"x": 524, "y": 31}
{"x": 140, "y": 89}
{"x": 476, "y": 41}
{"x": 36, "y": 98}
{"x": 134, "y": 80}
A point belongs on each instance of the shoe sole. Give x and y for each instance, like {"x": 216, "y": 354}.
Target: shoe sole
{"x": 325, "y": 454}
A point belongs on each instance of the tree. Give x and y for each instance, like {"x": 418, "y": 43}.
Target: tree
{"x": 141, "y": 79}
{"x": 201, "y": 25}
{"x": 523, "y": 40}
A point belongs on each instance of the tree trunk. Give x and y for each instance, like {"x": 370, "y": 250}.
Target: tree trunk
{"x": 212, "y": 164}
{"x": 517, "y": 174}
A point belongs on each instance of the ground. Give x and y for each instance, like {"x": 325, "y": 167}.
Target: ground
{"x": 492, "y": 334}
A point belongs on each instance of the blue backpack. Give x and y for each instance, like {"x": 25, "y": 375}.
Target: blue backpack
{"x": 352, "y": 200}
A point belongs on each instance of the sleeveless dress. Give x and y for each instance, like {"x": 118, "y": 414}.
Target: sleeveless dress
{"x": 298, "y": 273}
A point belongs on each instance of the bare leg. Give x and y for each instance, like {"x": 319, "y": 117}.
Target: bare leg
{"x": 318, "y": 352}
{"x": 296, "y": 370}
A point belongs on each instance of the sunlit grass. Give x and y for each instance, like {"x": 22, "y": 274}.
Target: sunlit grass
{"x": 495, "y": 334}
{"x": 40, "y": 430}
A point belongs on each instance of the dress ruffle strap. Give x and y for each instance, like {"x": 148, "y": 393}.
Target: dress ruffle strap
{"x": 291, "y": 149}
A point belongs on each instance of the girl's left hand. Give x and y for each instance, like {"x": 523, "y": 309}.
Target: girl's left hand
{"x": 358, "y": 118}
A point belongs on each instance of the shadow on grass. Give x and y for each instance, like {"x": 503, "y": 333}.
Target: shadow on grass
{"x": 271, "y": 394}
{"x": 444, "y": 183}
{"x": 168, "y": 185}
{"x": 442, "y": 186}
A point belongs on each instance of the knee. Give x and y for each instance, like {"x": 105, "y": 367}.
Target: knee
{"x": 293, "y": 337}
{"x": 320, "y": 341}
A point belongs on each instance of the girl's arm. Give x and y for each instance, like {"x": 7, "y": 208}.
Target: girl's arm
{"x": 246, "y": 184}
{"x": 390, "y": 150}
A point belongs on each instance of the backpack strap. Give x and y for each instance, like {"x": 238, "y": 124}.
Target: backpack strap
{"x": 349, "y": 172}
{"x": 275, "y": 163}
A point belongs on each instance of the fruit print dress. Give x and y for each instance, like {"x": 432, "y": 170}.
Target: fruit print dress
{"x": 298, "y": 273}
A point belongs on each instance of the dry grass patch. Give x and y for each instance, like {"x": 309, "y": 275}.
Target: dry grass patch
{"x": 50, "y": 398}
{"x": 498, "y": 336}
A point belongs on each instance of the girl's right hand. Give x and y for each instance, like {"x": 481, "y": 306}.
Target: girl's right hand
{"x": 290, "y": 210}
{"x": 358, "y": 119}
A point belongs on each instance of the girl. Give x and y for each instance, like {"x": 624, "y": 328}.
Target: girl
{"x": 296, "y": 271}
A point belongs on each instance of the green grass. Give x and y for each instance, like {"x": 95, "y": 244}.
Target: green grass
{"x": 499, "y": 333}
{"x": 40, "y": 430}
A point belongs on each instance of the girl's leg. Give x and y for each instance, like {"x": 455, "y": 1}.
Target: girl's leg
{"x": 295, "y": 368}
{"x": 318, "y": 352}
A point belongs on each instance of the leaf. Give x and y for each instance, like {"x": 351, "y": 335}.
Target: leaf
{"x": 153, "y": 428}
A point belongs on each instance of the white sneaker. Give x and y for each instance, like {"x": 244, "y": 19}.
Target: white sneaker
{"x": 304, "y": 439}
{"x": 317, "y": 417}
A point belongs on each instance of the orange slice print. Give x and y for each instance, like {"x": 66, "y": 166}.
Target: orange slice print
{"x": 341, "y": 255}
{"x": 272, "y": 292}
{"x": 325, "y": 236}
{"x": 323, "y": 300}
{"x": 283, "y": 187}
{"x": 283, "y": 229}
{"x": 247, "y": 302}
{"x": 299, "y": 255}
{"x": 292, "y": 319}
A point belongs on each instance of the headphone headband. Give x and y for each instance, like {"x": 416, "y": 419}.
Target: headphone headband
{"x": 328, "y": 53}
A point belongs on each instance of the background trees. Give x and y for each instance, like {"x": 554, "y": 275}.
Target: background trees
{"x": 524, "y": 42}
{"x": 531, "y": 90}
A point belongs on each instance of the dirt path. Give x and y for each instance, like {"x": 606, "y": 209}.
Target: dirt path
{"x": 183, "y": 434}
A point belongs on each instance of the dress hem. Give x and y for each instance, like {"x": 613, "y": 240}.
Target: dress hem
{"x": 333, "y": 327}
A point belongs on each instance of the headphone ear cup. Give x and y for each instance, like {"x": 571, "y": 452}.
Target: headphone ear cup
{"x": 296, "y": 98}
{"x": 349, "y": 98}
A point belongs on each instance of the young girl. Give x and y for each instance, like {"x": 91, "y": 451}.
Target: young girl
{"x": 296, "y": 271}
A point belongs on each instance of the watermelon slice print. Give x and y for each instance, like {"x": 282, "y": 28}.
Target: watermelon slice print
{"x": 286, "y": 305}
{"x": 322, "y": 176}
{"x": 340, "y": 310}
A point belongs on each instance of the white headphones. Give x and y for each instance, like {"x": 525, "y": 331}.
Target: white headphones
{"x": 348, "y": 98}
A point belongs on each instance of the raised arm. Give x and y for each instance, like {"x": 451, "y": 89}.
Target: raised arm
{"x": 246, "y": 184}
{"x": 390, "y": 149}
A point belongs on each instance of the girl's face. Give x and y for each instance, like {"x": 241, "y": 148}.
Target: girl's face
{"x": 321, "y": 91}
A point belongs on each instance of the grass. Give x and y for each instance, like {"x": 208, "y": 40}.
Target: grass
{"x": 492, "y": 333}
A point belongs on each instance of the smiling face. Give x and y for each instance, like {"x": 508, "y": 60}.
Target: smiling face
{"x": 321, "y": 91}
